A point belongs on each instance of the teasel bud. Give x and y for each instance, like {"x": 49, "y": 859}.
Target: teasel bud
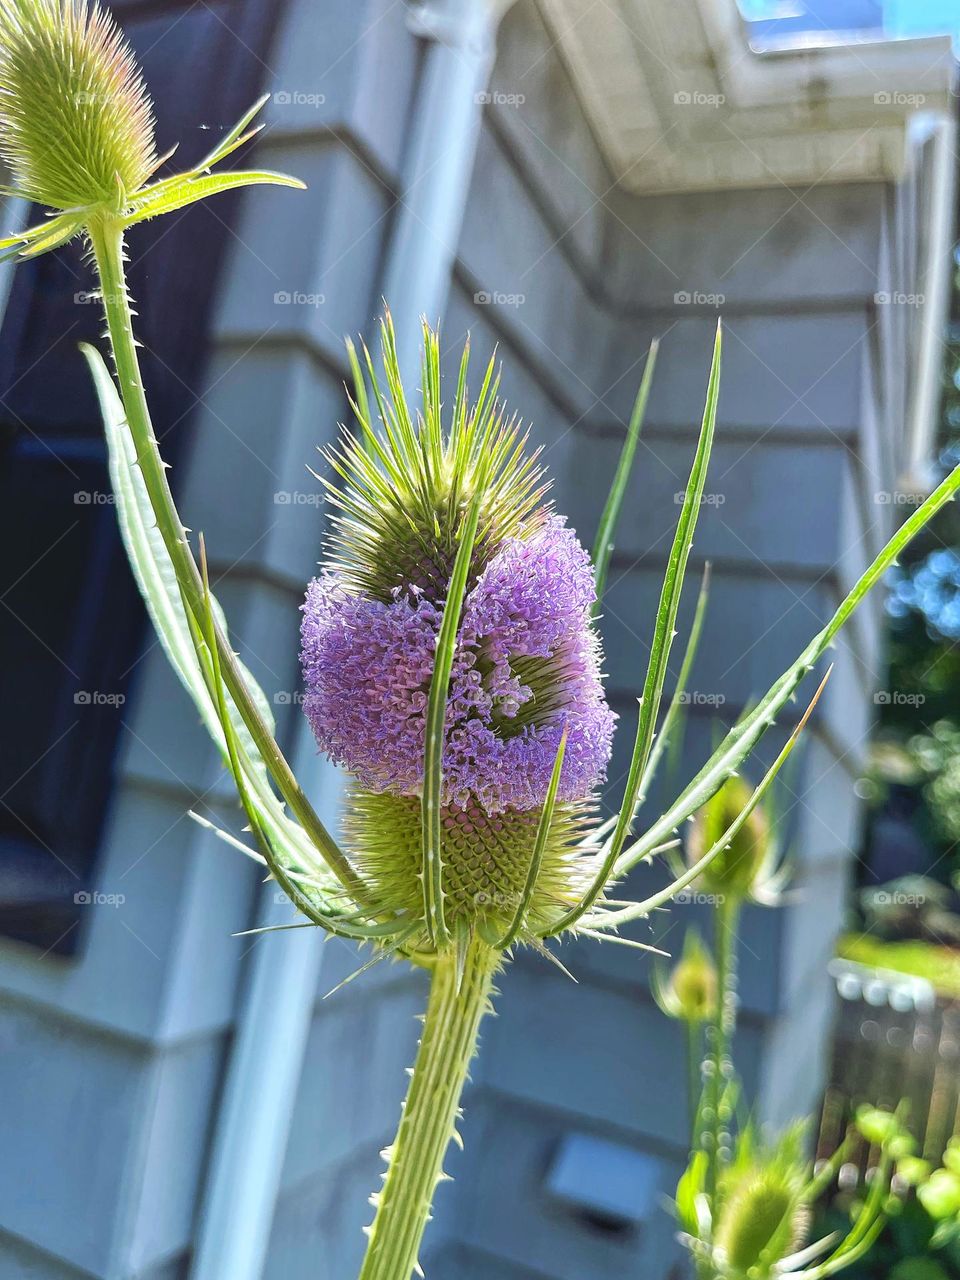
{"x": 761, "y": 1221}
{"x": 525, "y": 681}
{"x": 740, "y": 870}
{"x": 690, "y": 992}
{"x": 76, "y": 123}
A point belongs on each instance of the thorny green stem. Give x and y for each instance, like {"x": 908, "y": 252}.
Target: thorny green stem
{"x": 106, "y": 237}
{"x": 449, "y": 1040}
{"x": 694, "y": 1075}
{"x": 726, "y": 917}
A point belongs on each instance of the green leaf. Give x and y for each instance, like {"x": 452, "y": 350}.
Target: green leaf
{"x": 540, "y": 844}
{"x": 157, "y": 581}
{"x": 689, "y": 1190}
{"x": 663, "y": 738}
{"x": 663, "y": 634}
{"x": 603, "y": 547}
{"x": 42, "y": 238}
{"x": 744, "y": 736}
{"x": 235, "y": 138}
{"x": 179, "y": 195}
{"x": 436, "y": 716}
{"x": 614, "y": 919}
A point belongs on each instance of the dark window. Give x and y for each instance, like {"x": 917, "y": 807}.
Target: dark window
{"x": 71, "y": 624}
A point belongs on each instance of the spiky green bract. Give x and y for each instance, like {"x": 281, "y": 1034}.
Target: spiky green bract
{"x": 407, "y": 488}
{"x": 762, "y": 1216}
{"x": 739, "y": 867}
{"x": 485, "y": 860}
{"x": 76, "y": 123}
{"x": 760, "y": 1224}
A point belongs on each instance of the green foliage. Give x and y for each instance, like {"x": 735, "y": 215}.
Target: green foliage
{"x": 940, "y": 966}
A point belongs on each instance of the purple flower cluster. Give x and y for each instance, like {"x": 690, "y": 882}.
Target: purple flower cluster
{"x": 527, "y": 665}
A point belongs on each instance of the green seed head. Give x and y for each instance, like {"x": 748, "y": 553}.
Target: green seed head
{"x": 736, "y": 871}
{"x": 760, "y": 1223}
{"x": 486, "y": 859}
{"x": 76, "y": 124}
{"x": 693, "y": 983}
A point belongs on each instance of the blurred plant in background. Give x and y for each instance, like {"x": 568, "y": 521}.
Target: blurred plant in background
{"x": 752, "y": 1205}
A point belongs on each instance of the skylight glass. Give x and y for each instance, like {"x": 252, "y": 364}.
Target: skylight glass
{"x": 781, "y": 24}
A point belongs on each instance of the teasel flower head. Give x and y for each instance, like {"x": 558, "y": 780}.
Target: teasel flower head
{"x": 689, "y": 992}
{"x": 762, "y": 1221}
{"x": 77, "y": 128}
{"x": 761, "y": 1214}
{"x": 525, "y": 699}
{"x": 745, "y": 867}
{"x": 77, "y": 124}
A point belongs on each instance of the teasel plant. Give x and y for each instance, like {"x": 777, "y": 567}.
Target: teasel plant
{"x": 746, "y": 1201}
{"x": 756, "y": 1222}
{"x": 450, "y": 657}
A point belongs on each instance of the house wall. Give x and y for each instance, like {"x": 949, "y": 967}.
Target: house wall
{"x": 573, "y": 279}
{"x": 116, "y": 1059}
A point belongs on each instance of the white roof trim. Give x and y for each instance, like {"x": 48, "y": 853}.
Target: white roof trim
{"x": 679, "y": 101}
